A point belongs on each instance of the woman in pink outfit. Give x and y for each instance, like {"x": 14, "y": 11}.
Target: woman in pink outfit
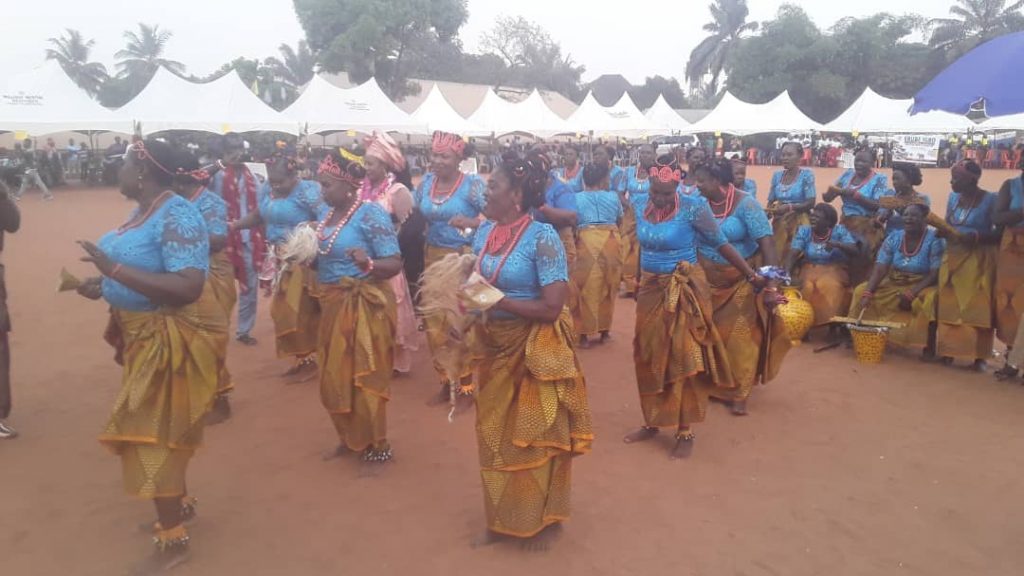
{"x": 387, "y": 183}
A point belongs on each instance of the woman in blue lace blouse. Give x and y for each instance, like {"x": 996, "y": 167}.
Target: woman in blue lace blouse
{"x": 902, "y": 285}
{"x": 284, "y": 204}
{"x": 678, "y": 353}
{"x": 598, "y": 269}
{"x": 791, "y": 198}
{"x": 153, "y": 271}
{"x": 1009, "y": 288}
{"x": 451, "y": 202}
{"x": 904, "y": 177}
{"x": 860, "y": 189}
{"x": 532, "y": 413}
{"x": 740, "y": 180}
{"x": 819, "y": 261}
{"x": 571, "y": 170}
{"x": 357, "y": 255}
{"x": 757, "y": 344}
{"x": 637, "y": 184}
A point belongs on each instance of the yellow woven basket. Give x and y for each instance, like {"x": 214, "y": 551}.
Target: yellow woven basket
{"x": 868, "y": 343}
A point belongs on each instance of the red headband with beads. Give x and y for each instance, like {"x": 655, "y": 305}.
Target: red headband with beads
{"x": 447, "y": 142}
{"x": 665, "y": 174}
{"x": 139, "y": 148}
{"x": 330, "y": 168}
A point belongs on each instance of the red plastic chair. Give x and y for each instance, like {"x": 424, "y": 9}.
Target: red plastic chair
{"x": 992, "y": 158}
{"x": 807, "y": 158}
{"x": 971, "y": 154}
{"x": 752, "y": 156}
{"x": 1012, "y": 161}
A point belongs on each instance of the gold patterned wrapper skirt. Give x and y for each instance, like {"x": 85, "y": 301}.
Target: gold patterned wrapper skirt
{"x": 532, "y": 418}
{"x": 677, "y": 351}
{"x": 596, "y": 278}
{"x": 221, "y": 281}
{"x": 756, "y": 341}
{"x": 357, "y": 337}
{"x": 568, "y": 237}
{"x": 170, "y": 360}
{"x": 871, "y": 235}
{"x": 630, "y": 250}
{"x": 437, "y": 326}
{"x": 827, "y": 288}
{"x": 1010, "y": 285}
{"x": 966, "y": 327}
{"x": 784, "y": 230}
{"x": 885, "y": 306}
{"x": 296, "y": 312}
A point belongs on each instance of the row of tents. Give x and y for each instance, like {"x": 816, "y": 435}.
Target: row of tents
{"x": 47, "y": 101}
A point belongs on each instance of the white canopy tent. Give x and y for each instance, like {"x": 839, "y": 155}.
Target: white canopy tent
{"x": 437, "y": 114}
{"x": 666, "y": 121}
{"x": 872, "y": 113}
{"x": 531, "y": 116}
{"x": 170, "y": 102}
{"x": 623, "y": 119}
{"x": 45, "y": 101}
{"x": 734, "y": 116}
{"x": 323, "y": 107}
{"x": 1011, "y": 122}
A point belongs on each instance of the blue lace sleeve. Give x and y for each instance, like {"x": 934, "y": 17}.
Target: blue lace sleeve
{"x": 801, "y": 239}
{"x": 184, "y": 243}
{"x": 775, "y": 184}
{"x": 417, "y": 195}
{"x": 215, "y": 213}
{"x": 477, "y": 192}
{"x": 551, "y": 263}
{"x": 379, "y": 232}
{"x": 480, "y": 238}
{"x": 935, "y": 252}
{"x": 843, "y": 236}
{"x": 881, "y": 186}
{"x": 810, "y": 188}
{"x": 706, "y": 226}
{"x": 888, "y": 250}
{"x": 310, "y": 197}
{"x": 754, "y": 219}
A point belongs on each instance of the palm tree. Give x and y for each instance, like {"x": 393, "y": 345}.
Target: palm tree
{"x": 71, "y": 51}
{"x": 727, "y": 26}
{"x": 144, "y": 54}
{"x": 297, "y": 66}
{"x": 974, "y": 22}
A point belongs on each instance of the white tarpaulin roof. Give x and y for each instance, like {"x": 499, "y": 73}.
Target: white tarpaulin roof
{"x": 531, "y": 116}
{"x": 872, "y": 113}
{"x": 621, "y": 119}
{"x": 170, "y": 102}
{"x": 438, "y": 114}
{"x": 665, "y": 120}
{"x": 45, "y": 101}
{"x": 734, "y": 116}
{"x": 326, "y": 108}
{"x": 1011, "y": 122}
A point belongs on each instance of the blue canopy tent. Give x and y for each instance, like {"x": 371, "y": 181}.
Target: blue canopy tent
{"x": 987, "y": 78}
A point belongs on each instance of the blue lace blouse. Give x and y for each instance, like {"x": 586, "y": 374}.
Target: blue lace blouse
{"x": 558, "y": 195}
{"x": 598, "y": 207}
{"x": 895, "y": 220}
{"x": 538, "y": 260}
{"x": 743, "y": 228}
{"x": 665, "y": 244}
{"x": 816, "y": 252}
{"x": 635, "y": 186}
{"x": 468, "y": 200}
{"x": 873, "y": 189}
{"x": 172, "y": 239}
{"x": 928, "y": 258}
{"x": 977, "y": 219}
{"x": 281, "y": 215}
{"x": 801, "y": 190}
{"x": 214, "y": 211}
{"x": 370, "y": 228}
{"x": 576, "y": 182}
{"x": 750, "y": 187}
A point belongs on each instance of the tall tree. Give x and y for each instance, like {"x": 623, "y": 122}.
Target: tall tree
{"x": 372, "y": 38}
{"x": 296, "y": 67}
{"x": 644, "y": 96}
{"x": 532, "y": 58}
{"x": 728, "y": 25}
{"x": 974, "y": 22}
{"x": 71, "y": 51}
{"x": 144, "y": 53}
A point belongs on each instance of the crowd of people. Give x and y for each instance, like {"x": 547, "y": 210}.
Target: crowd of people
{"x": 554, "y": 244}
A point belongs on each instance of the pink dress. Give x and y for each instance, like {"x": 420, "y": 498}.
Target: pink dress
{"x": 397, "y": 200}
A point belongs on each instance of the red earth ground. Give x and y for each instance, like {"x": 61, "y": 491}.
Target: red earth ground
{"x": 841, "y": 469}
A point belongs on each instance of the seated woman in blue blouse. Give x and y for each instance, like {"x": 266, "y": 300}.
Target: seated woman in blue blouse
{"x": 357, "y": 255}
{"x": 791, "y": 198}
{"x": 860, "y": 188}
{"x": 285, "y": 203}
{"x": 819, "y": 260}
{"x": 678, "y": 353}
{"x": 902, "y": 287}
{"x": 757, "y": 346}
{"x": 532, "y": 414}
{"x": 166, "y": 338}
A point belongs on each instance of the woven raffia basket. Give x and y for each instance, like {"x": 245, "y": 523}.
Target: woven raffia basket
{"x": 797, "y": 314}
{"x": 868, "y": 343}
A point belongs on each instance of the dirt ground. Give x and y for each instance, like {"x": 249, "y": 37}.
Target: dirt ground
{"x": 842, "y": 469}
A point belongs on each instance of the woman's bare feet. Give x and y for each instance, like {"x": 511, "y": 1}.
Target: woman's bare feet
{"x": 605, "y": 336}
{"x": 738, "y": 407}
{"x": 304, "y": 371}
{"x": 584, "y": 343}
{"x": 1006, "y": 373}
{"x": 684, "y": 445}
{"x": 642, "y": 435}
{"x": 979, "y": 365}
{"x": 220, "y": 412}
{"x": 340, "y": 452}
{"x": 543, "y": 541}
{"x": 488, "y": 538}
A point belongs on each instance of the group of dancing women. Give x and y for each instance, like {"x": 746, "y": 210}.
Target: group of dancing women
{"x": 704, "y": 262}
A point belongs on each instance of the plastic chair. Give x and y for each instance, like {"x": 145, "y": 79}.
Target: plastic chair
{"x": 752, "y": 156}
{"x": 1011, "y": 161}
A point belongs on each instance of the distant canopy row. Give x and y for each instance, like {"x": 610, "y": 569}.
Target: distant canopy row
{"x": 47, "y": 101}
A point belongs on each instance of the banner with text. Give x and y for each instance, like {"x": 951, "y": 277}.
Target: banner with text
{"x": 916, "y": 148}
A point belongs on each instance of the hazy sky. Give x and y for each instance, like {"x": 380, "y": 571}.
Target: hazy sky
{"x": 649, "y": 37}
